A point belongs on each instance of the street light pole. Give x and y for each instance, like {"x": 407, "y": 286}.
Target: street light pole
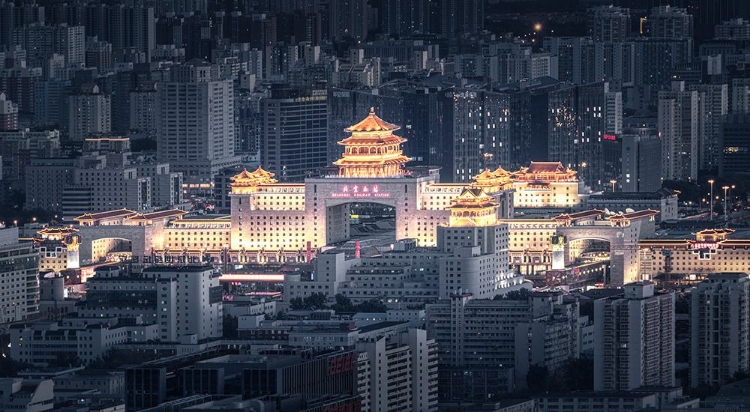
{"x": 726, "y": 215}
{"x": 711, "y": 203}
{"x": 613, "y": 184}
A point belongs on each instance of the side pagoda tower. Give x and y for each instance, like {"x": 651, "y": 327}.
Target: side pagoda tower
{"x": 372, "y": 150}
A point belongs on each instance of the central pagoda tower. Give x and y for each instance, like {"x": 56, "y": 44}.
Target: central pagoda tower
{"x": 372, "y": 150}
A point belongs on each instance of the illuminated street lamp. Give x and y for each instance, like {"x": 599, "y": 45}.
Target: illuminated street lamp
{"x": 711, "y": 206}
{"x": 613, "y": 181}
{"x": 726, "y": 215}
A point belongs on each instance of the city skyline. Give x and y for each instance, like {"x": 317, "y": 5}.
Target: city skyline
{"x": 374, "y": 205}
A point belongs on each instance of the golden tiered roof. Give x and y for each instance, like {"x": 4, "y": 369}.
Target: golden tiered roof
{"x": 55, "y": 233}
{"x": 249, "y": 181}
{"x": 372, "y": 123}
{"x": 713, "y": 235}
{"x": 372, "y": 150}
{"x": 545, "y": 171}
{"x": 493, "y": 181}
{"x": 473, "y": 207}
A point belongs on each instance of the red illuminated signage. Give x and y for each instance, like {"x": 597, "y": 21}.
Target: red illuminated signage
{"x": 704, "y": 245}
{"x": 341, "y": 364}
{"x": 610, "y": 137}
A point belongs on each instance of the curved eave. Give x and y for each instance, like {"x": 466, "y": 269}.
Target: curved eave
{"x": 360, "y": 141}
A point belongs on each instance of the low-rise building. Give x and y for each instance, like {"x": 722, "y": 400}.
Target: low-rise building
{"x": 75, "y": 339}
{"x": 18, "y": 394}
{"x": 180, "y": 300}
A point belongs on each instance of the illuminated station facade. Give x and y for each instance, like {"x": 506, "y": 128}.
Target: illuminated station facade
{"x": 278, "y": 220}
{"x": 278, "y": 223}
{"x": 710, "y": 251}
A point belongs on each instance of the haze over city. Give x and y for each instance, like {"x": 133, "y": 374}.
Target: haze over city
{"x": 374, "y": 205}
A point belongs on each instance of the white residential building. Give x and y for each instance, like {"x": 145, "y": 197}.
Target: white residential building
{"x": 89, "y": 113}
{"x": 19, "y": 278}
{"x": 680, "y": 116}
{"x": 195, "y": 123}
{"x": 720, "y": 328}
{"x": 403, "y": 372}
{"x": 200, "y": 310}
{"x": 634, "y": 339}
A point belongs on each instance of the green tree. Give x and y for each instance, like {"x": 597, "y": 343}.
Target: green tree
{"x": 343, "y": 304}
{"x": 296, "y": 304}
{"x": 65, "y": 360}
{"x": 372, "y": 306}
{"x": 315, "y": 301}
{"x": 520, "y": 294}
{"x": 682, "y": 305}
{"x": 538, "y": 379}
{"x": 718, "y": 208}
{"x": 576, "y": 374}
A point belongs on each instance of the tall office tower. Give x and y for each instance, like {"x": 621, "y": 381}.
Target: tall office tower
{"x": 563, "y": 143}
{"x": 295, "y": 129}
{"x": 670, "y": 22}
{"x": 249, "y": 122}
{"x": 657, "y": 58}
{"x": 476, "y": 123}
{"x": 98, "y": 54}
{"x": 680, "y": 114}
{"x": 50, "y": 103}
{"x": 715, "y": 105}
{"x": 126, "y": 27}
{"x": 195, "y": 123}
{"x": 89, "y": 113}
{"x": 143, "y": 107}
{"x": 458, "y": 17}
{"x": 634, "y": 339}
{"x": 41, "y": 42}
{"x": 599, "y": 111}
{"x": 19, "y": 269}
{"x": 719, "y": 323}
{"x": 404, "y": 17}
{"x": 608, "y": 23}
{"x": 70, "y": 41}
{"x": 734, "y": 145}
{"x": 348, "y": 18}
{"x": 8, "y": 114}
{"x": 14, "y": 15}
{"x": 123, "y": 82}
{"x": 641, "y": 162}
{"x": 18, "y": 85}
{"x": 575, "y": 58}
{"x": 485, "y": 346}
{"x": 740, "y": 96}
